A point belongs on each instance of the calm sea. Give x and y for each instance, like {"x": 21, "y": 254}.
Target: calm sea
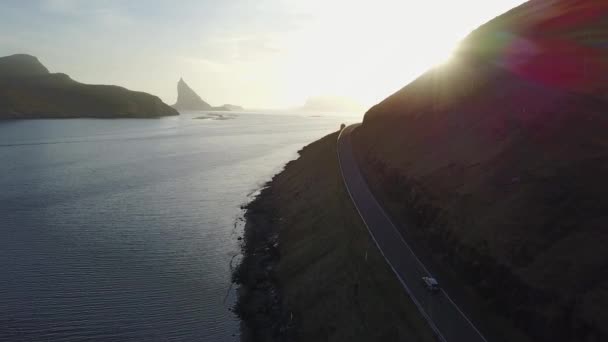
{"x": 121, "y": 230}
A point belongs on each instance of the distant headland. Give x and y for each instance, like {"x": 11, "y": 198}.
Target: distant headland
{"x": 29, "y": 91}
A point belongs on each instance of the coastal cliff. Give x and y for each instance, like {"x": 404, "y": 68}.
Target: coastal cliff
{"x": 28, "y": 90}
{"x": 498, "y": 162}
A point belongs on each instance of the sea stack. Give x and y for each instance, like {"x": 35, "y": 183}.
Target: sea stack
{"x": 188, "y": 99}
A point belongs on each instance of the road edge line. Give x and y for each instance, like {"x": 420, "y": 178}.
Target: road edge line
{"x": 407, "y": 289}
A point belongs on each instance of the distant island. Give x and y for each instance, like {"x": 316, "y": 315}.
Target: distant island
{"x": 331, "y": 104}
{"x": 29, "y": 91}
{"x": 189, "y": 100}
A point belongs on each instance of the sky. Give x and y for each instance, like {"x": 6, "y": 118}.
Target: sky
{"x": 259, "y": 54}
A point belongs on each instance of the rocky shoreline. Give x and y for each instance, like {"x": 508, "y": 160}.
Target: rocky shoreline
{"x": 260, "y": 305}
{"x": 310, "y": 271}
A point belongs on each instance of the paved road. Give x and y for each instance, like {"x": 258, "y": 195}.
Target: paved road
{"x": 445, "y": 318}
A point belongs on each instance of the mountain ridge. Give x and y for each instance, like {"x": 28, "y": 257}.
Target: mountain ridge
{"x": 21, "y": 65}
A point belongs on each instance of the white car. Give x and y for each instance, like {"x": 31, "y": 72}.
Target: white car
{"x": 431, "y": 284}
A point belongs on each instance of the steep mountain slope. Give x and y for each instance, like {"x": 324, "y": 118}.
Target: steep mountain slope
{"x": 28, "y": 90}
{"x": 500, "y": 159}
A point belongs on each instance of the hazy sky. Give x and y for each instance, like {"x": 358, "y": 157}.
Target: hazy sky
{"x": 257, "y": 53}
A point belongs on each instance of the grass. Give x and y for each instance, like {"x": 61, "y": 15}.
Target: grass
{"x": 334, "y": 283}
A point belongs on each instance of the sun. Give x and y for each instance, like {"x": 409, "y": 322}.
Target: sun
{"x": 372, "y": 49}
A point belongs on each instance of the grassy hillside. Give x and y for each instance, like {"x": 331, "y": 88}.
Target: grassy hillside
{"x": 311, "y": 271}
{"x": 500, "y": 157}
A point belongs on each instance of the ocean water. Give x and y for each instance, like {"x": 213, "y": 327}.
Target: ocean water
{"x": 125, "y": 230}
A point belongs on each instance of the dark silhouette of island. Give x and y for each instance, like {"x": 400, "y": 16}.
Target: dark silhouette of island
{"x": 28, "y": 90}
{"x": 189, "y": 100}
{"x": 498, "y": 162}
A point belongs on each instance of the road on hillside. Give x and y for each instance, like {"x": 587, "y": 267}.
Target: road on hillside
{"x": 448, "y": 322}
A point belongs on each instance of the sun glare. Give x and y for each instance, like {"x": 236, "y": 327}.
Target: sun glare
{"x": 366, "y": 53}
{"x": 269, "y": 53}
